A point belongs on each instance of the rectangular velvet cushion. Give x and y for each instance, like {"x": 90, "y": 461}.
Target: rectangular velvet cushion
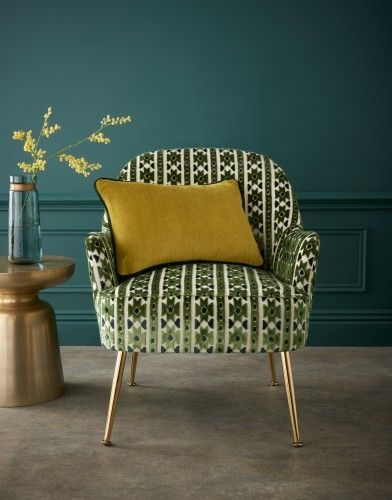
{"x": 159, "y": 224}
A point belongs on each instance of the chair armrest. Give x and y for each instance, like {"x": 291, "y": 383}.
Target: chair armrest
{"x": 100, "y": 259}
{"x": 296, "y": 259}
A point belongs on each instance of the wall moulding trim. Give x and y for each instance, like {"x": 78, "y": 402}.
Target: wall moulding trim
{"x": 360, "y": 284}
{"x": 313, "y": 200}
{"x": 68, "y": 289}
{"x": 383, "y": 316}
{"x": 309, "y": 200}
{"x": 58, "y": 232}
{"x": 62, "y": 203}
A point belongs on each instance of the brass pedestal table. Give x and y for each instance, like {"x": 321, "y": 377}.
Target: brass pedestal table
{"x": 30, "y": 362}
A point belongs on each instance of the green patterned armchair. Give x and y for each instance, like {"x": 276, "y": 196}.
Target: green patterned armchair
{"x": 211, "y": 307}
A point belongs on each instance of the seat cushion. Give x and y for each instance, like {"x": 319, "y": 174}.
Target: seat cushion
{"x": 203, "y": 307}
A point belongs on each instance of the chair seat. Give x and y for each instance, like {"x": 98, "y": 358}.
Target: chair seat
{"x": 203, "y": 307}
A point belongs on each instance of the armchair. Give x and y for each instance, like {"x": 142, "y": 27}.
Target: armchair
{"x": 211, "y": 307}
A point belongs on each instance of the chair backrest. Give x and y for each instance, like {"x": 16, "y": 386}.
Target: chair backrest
{"x": 268, "y": 198}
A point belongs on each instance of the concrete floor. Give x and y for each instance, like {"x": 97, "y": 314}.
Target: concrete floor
{"x": 203, "y": 426}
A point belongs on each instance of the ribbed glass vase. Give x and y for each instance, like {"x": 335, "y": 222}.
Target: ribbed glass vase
{"x": 24, "y": 230}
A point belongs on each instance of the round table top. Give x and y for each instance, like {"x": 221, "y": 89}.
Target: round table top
{"x": 50, "y": 272}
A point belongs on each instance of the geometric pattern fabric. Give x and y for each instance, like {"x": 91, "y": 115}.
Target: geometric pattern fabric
{"x": 212, "y": 307}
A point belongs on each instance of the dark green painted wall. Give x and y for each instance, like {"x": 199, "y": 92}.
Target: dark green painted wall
{"x": 307, "y": 83}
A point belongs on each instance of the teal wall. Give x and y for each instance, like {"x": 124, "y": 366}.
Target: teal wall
{"x": 306, "y": 83}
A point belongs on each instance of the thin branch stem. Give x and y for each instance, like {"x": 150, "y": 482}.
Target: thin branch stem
{"x": 74, "y": 144}
{"x": 40, "y": 134}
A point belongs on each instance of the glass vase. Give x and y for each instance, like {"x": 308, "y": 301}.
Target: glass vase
{"x": 24, "y": 230}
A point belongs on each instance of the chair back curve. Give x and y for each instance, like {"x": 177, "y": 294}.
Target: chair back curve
{"x": 269, "y": 201}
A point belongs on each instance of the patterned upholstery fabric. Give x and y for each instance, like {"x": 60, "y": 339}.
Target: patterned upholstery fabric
{"x": 212, "y": 307}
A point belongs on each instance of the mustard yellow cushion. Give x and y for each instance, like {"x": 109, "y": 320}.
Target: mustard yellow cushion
{"x": 160, "y": 224}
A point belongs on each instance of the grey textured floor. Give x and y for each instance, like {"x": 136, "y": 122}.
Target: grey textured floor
{"x": 203, "y": 426}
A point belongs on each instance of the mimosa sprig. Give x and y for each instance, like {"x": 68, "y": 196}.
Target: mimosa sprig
{"x": 79, "y": 164}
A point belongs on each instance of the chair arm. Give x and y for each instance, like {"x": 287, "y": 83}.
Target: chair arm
{"x": 296, "y": 258}
{"x": 100, "y": 259}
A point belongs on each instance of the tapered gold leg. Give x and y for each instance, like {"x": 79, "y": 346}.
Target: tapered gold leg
{"x": 288, "y": 380}
{"x": 272, "y": 369}
{"x": 116, "y": 387}
{"x": 131, "y": 381}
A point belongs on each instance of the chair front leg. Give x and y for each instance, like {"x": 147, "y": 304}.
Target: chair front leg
{"x": 132, "y": 374}
{"x": 114, "y": 395}
{"x": 289, "y": 383}
{"x": 271, "y": 358}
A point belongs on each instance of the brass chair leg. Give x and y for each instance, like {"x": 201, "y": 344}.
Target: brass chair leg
{"x": 288, "y": 380}
{"x": 132, "y": 374}
{"x": 271, "y": 358}
{"x": 116, "y": 387}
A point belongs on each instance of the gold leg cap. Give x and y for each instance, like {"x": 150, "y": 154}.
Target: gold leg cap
{"x": 131, "y": 384}
{"x": 274, "y": 384}
{"x": 298, "y": 444}
{"x": 106, "y": 443}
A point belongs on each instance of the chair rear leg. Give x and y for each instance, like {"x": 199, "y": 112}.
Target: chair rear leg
{"x": 289, "y": 383}
{"x": 114, "y": 395}
{"x": 132, "y": 374}
{"x": 271, "y": 358}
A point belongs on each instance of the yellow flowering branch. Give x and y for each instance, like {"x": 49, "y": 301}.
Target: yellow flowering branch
{"x": 79, "y": 165}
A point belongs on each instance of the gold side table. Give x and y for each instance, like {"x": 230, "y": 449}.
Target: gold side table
{"x": 30, "y": 362}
